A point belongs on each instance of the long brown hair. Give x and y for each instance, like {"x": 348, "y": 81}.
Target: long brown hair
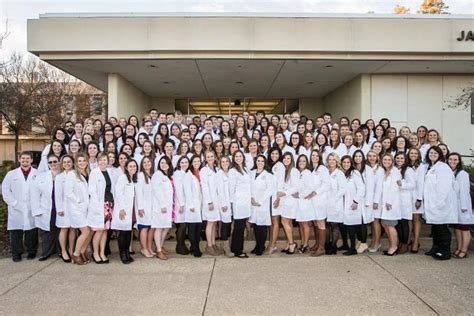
{"x": 76, "y": 165}
{"x": 289, "y": 167}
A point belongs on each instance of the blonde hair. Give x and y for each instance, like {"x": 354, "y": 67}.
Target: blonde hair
{"x": 76, "y": 165}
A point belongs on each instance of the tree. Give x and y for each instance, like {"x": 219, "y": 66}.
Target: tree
{"x": 400, "y": 9}
{"x": 433, "y": 7}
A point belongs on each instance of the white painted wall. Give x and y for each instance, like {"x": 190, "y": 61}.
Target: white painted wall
{"x": 125, "y": 99}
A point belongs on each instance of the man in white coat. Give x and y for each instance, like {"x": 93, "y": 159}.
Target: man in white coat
{"x": 43, "y": 195}
{"x": 16, "y": 193}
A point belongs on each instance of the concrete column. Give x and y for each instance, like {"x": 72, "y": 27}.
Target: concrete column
{"x": 347, "y": 100}
{"x": 125, "y": 99}
{"x": 166, "y": 105}
{"x": 311, "y": 107}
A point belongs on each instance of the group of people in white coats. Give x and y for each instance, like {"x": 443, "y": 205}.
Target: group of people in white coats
{"x": 217, "y": 179}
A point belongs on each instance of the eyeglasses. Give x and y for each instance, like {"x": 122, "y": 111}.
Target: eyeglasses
{"x": 52, "y": 162}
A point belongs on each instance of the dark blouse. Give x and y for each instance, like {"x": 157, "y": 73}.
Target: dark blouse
{"x": 108, "y": 197}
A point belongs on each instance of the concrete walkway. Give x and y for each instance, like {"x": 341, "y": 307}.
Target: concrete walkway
{"x": 280, "y": 284}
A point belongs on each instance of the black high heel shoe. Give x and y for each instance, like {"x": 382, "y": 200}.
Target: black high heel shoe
{"x": 295, "y": 247}
{"x": 391, "y": 254}
{"x": 97, "y": 261}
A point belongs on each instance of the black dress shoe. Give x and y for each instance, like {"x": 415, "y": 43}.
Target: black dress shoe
{"x": 43, "y": 258}
{"x": 31, "y": 256}
{"x": 16, "y": 259}
{"x": 197, "y": 254}
{"x": 123, "y": 257}
{"x": 441, "y": 256}
{"x": 350, "y": 252}
{"x": 432, "y": 251}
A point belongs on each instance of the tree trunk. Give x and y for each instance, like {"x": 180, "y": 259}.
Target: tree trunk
{"x": 17, "y": 143}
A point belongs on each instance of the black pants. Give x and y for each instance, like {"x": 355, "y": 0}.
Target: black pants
{"x": 441, "y": 238}
{"x": 50, "y": 239}
{"x": 237, "y": 245}
{"x": 260, "y": 238}
{"x": 180, "y": 236}
{"x": 225, "y": 230}
{"x": 343, "y": 230}
{"x": 194, "y": 233}
{"x": 361, "y": 231}
{"x": 403, "y": 231}
{"x": 28, "y": 238}
{"x": 124, "y": 238}
{"x": 351, "y": 230}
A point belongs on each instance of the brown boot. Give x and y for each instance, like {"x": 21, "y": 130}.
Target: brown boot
{"x": 211, "y": 251}
{"x": 322, "y": 241}
{"x": 402, "y": 248}
{"x": 161, "y": 255}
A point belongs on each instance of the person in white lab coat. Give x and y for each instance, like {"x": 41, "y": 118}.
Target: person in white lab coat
{"x": 67, "y": 235}
{"x": 353, "y": 202}
{"x": 224, "y": 204}
{"x": 407, "y": 186}
{"x": 101, "y": 205}
{"x": 391, "y": 211}
{"x": 278, "y": 171}
{"x": 57, "y": 148}
{"x": 124, "y": 207}
{"x": 43, "y": 192}
{"x": 337, "y": 187}
{"x": 240, "y": 198}
{"x": 16, "y": 194}
{"x": 179, "y": 177}
{"x": 76, "y": 193}
{"x": 285, "y": 202}
{"x": 414, "y": 162}
{"x": 373, "y": 166}
{"x": 210, "y": 207}
{"x": 162, "y": 203}
{"x": 262, "y": 184}
{"x": 304, "y": 204}
{"x": 144, "y": 206}
{"x": 194, "y": 203}
{"x": 464, "y": 206}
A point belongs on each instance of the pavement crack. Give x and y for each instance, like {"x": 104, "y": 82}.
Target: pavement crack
{"x": 209, "y": 286}
{"x": 29, "y": 277}
{"x": 404, "y": 285}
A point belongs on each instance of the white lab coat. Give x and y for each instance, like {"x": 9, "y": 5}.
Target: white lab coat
{"x": 407, "y": 190}
{"x": 97, "y": 184}
{"x": 209, "y": 194}
{"x": 239, "y": 193}
{"x": 224, "y": 197}
{"x": 261, "y": 191}
{"x": 321, "y": 187}
{"x": 391, "y": 195}
{"x": 278, "y": 171}
{"x": 162, "y": 192}
{"x": 342, "y": 151}
{"x": 249, "y": 161}
{"x": 60, "y": 197}
{"x": 41, "y": 196}
{"x": 418, "y": 193}
{"x": 76, "y": 193}
{"x": 377, "y": 174}
{"x": 355, "y": 192}
{"x": 193, "y": 199}
{"x": 143, "y": 193}
{"x": 180, "y": 201}
{"x": 16, "y": 193}
{"x": 304, "y": 208}
{"x": 439, "y": 195}
{"x": 464, "y": 202}
{"x": 124, "y": 199}
{"x": 288, "y": 204}
{"x": 301, "y": 151}
{"x": 336, "y": 191}
{"x": 369, "y": 180}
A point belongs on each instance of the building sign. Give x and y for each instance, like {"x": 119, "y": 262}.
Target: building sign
{"x": 466, "y": 36}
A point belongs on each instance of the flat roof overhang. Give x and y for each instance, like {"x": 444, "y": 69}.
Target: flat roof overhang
{"x": 209, "y": 56}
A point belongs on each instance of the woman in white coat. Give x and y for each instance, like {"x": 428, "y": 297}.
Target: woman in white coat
{"x": 278, "y": 171}
{"x": 407, "y": 186}
{"x": 76, "y": 193}
{"x": 224, "y": 204}
{"x": 440, "y": 203}
{"x": 319, "y": 200}
{"x": 240, "y": 197}
{"x": 144, "y": 206}
{"x": 179, "y": 178}
{"x": 67, "y": 235}
{"x": 337, "y": 187}
{"x": 124, "y": 207}
{"x": 464, "y": 206}
{"x": 43, "y": 198}
{"x": 163, "y": 191}
{"x": 304, "y": 208}
{"x": 414, "y": 161}
{"x": 373, "y": 166}
{"x": 210, "y": 207}
{"x": 286, "y": 202}
{"x": 391, "y": 211}
{"x": 193, "y": 203}
{"x": 353, "y": 202}
{"x": 367, "y": 175}
{"x": 261, "y": 188}
{"x": 101, "y": 205}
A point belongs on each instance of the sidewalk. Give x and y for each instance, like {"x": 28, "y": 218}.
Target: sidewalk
{"x": 280, "y": 284}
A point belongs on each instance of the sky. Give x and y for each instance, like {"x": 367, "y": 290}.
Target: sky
{"x": 18, "y": 11}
